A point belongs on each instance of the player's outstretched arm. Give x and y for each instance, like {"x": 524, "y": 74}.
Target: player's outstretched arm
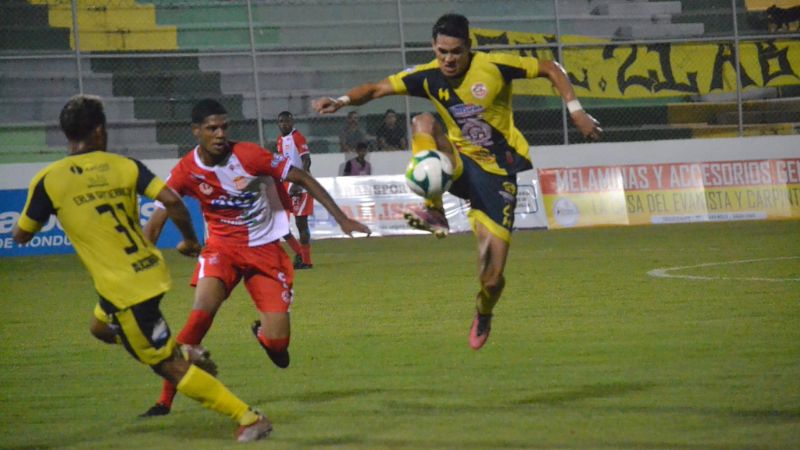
{"x": 155, "y": 224}
{"x": 356, "y": 96}
{"x": 585, "y": 123}
{"x": 177, "y": 212}
{"x": 319, "y": 193}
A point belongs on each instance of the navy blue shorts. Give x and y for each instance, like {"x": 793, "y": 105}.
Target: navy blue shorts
{"x": 492, "y": 197}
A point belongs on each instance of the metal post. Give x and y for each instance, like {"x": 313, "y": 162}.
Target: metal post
{"x": 738, "y": 69}
{"x": 405, "y": 64}
{"x": 560, "y": 50}
{"x": 77, "y": 38}
{"x": 255, "y": 72}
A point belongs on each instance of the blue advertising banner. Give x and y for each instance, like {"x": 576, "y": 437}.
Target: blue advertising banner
{"x": 51, "y": 239}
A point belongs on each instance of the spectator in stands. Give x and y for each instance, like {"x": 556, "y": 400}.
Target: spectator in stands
{"x": 391, "y": 135}
{"x": 351, "y": 135}
{"x": 358, "y": 165}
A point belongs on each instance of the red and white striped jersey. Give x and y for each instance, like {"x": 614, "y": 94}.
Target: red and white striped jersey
{"x": 293, "y": 146}
{"x": 243, "y": 201}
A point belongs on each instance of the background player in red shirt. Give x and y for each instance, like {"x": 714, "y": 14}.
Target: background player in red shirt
{"x": 245, "y": 210}
{"x": 292, "y": 145}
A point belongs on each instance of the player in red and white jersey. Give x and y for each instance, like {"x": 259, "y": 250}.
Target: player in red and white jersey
{"x": 292, "y": 145}
{"x": 245, "y": 206}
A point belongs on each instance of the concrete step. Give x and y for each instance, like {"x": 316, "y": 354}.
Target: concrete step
{"x": 620, "y": 9}
{"x": 660, "y": 30}
{"x": 47, "y": 109}
{"x": 46, "y": 84}
{"x": 121, "y": 134}
{"x": 751, "y": 117}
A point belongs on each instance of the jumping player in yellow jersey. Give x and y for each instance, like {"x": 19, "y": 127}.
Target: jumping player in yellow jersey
{"x": 471, "y": 91}
{"x": 93, "y": 194}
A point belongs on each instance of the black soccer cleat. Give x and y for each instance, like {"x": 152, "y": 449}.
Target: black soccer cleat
{"x": 159, "y": 409}
{"x": 280, "y": 359}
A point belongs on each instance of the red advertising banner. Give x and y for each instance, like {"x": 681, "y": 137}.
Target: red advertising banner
{"x": 671, "y": 193}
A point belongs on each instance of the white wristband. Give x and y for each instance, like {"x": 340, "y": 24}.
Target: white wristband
{"x": 344, "y": 100}
{"x": 573, "y": 106}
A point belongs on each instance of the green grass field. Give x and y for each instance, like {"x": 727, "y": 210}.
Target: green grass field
{"x": 587, "y": 350}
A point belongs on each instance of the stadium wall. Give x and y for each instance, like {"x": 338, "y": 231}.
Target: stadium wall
{"x": 17, "y": 176}
{"x": 620, "y": 202}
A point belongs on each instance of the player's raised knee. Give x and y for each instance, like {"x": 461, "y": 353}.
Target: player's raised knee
{"x": 423, "y": 123}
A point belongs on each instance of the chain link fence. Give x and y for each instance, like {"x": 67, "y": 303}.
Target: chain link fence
{"x": 646, "y": 69}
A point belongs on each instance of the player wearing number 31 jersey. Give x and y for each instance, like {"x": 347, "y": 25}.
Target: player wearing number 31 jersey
{"x": 88, "y": 191}
{"x": 93, "y": 194}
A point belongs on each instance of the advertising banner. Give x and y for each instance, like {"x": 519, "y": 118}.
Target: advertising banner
{"x": 610, "y": 70}
{"x": 52, "y": 240}
{"x": 671, "y": 193}
{"x": 379, "y": 202}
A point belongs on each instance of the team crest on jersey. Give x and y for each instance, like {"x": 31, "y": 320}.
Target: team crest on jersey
{"x": 479, "y": 90}
{"x": 206, "y": 188}
{"x": 240, "y": 182}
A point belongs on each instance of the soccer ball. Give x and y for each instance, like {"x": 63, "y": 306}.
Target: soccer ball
{"x": 429, "y": 173}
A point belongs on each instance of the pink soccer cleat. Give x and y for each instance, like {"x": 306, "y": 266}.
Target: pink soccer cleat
{"x": 428, "y": 219}
{"x": 479, "y": 333}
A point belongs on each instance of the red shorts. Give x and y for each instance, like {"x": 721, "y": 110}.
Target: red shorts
{"x": 266, "y": 269}
{"x": 303, "y": 204}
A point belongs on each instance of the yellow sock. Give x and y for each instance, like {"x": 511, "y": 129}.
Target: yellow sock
{"x": 487, "y": 300}
{"x": 201, "y": 386}
{"x": 422, "y": 141}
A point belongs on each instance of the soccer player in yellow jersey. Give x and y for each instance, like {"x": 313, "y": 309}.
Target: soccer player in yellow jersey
{"x": 471, "y": 91}
{"x": 93, "y": 194}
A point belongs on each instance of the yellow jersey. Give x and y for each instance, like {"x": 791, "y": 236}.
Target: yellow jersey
{"x": 476, "y": 108}
{"x": 94, "y": 197}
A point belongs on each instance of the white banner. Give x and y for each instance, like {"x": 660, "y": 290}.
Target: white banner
{"x": 379, "y": 202}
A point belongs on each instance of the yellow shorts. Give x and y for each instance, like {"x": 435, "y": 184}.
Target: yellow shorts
{"x": 142, "y": 329}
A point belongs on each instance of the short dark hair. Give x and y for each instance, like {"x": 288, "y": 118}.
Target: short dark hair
{"x": 207, "y": 107}
{"x": 453, "y": 25}
{"x": 389, "y": 111}
{"x": 80, "y": 116}
{"x": 285, "y": 114}
{"x": 363, "y": 145}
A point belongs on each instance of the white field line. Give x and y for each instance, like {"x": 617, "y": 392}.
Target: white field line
{"x": 665, "y": 272}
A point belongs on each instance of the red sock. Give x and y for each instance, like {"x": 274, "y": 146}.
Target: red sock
{"x": 276, "y": 345}
{"x": 294, "y": 244}
{"x": 193, "y": 333}
{"x": 306, "y": 253}
{"x": 196, "y": 327}
{"x": 168, "y": 392}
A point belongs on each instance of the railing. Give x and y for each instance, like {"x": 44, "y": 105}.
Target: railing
{"x": 647, "y": 70}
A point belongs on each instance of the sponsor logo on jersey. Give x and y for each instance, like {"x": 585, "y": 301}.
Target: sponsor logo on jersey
{"x": 473, "y": 127}
{"x": 243, "y": 201}
{"x": 462, "y": 110}
{"x": 277, "y": 160}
